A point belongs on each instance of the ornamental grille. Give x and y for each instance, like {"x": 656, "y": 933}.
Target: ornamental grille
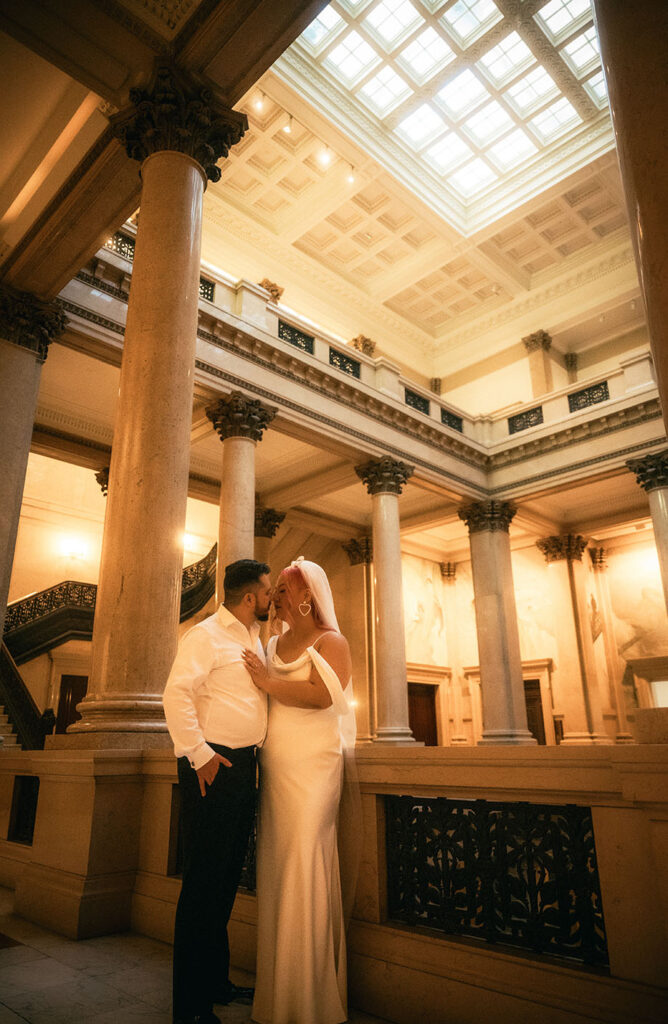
{"x": 452, "y": 421}
{"x": 343, "y": 362}
{"x": 416, "y": 401}
{"x": 294, "y": 336}
{"x": 64, "y": 595}
{"x": 122, "y": 245}
{"x": 516, "y": 874}
{"x": 206, "y": 289}
{"x": 588, "y": 396}
{"x": 524, "y": 420}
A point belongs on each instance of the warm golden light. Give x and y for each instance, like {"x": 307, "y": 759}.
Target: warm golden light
{"x": 73, "y": 547}
{"x": 287, "y": 128}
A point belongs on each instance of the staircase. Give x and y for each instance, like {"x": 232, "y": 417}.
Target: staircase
{"x": 7, "y": 736}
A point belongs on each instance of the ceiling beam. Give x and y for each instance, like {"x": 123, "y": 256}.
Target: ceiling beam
{"x": 309, "y": 488}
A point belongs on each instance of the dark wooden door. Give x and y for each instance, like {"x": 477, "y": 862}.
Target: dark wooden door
{"x": 72, "y": 692}
{"x": 534, "y": 705}
{"x": 422, "y": 713}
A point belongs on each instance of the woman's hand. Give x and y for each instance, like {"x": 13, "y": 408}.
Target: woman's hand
{"x": 256, "y": 669}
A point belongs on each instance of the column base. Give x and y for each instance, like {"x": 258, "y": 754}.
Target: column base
{"x": 126, "y": 740}
{"x": 507, "y": 737}
{"x": 394, "y": 735}
{"x": 120, "y": 712}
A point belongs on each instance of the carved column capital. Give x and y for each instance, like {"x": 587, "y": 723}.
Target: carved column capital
{"x": 568, "y": 546}
{"x": 384, "y": 475}
{"x": 359, "y": 550}
{"x": 571, "y": 361}
{"x": 102, "y": 477}
{"x": 599, "y": 559}
{"x": 267, "y": 521}
{"x": 274, "y": 289}
{"x": 29, "y": 322}
{"x": 235, "y": 415}
{"x": 487, "y": 515}
{"x": 176, "y": 112}
{"x": 448, "y": 571}
{"x": 364, "y": 344}
{"x": 651, "y": 470}
{"x": 539, "y": 339}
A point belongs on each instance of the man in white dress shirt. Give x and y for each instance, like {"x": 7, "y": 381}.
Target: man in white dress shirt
{"x": 216, "y": 717}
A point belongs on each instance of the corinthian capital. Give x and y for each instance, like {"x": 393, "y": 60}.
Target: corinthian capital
{"x": 359, "y": 550}
{"x": 651, "y": 470}
{"x": 177, "y": 113}
{"x": 28, "y": 321}
{"x": 385, "y": 475}
{"x": 569, "y": 546}
{"x": 267, "y": 521}
{"x": 539, "y": 339}
{"x": 235, "y": 415}
{"x": 487, "y": 515}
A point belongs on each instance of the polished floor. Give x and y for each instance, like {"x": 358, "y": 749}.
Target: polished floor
{"x": 117, "y": 979}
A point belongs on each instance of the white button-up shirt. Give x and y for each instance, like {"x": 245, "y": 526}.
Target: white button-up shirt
{"x": 209, "y": 694}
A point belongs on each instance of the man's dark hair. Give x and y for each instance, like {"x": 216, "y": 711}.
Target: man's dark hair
{"x": 242, "y": 576}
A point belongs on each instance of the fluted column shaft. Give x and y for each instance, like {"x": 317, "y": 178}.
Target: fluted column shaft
{"x": 502, "y": 686}
{"x": 384, "y": 479}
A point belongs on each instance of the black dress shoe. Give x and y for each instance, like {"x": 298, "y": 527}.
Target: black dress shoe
{"x": 235, "y": 994}
{"x": 200, "y": 1018}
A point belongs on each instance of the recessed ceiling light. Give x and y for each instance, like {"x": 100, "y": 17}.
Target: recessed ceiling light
{"x": 287, "y": 128}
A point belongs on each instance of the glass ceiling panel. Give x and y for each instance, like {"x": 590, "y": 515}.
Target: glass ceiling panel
{"x": 428, "y": 52}
{"x": 462, "y": 94}
{"x": 448, "y": 152}
{"x": 531, "y": 91}
{"x": 352, "y": 58}
{"x": 582, "y": 52}
{"x": 322, "y": 29}
{"x": 472, "y": 178}
{"x": 554, "y": 120}
{"x": 512, "y": 150}
{"x": 469, "y": 19}
{"x": 392, "y": 19}
{"x": 559, "y": 17}
{"x": 507, "y": 59}
{"x": 421, "y": 126}
{"x": 488, "y": 123}
{"x": 597, "y": 88}
{"x": 384, "y": 91}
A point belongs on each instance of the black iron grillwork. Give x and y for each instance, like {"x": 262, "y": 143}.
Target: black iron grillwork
{"x": 24, "y": 809}
{"x": 524, "y": 420}
{"x": 294, "y": 336}
{"x": 206, "y": 289}
{"x": 517, "y": 874}
{"x": 64, "y": 595}
{"x": 343, "y": 362}
{"x": 588, "y": 396}
{"x": 450, "y": 420}
{"x": 122, "y": 245}
{"x": 416, "y": 401}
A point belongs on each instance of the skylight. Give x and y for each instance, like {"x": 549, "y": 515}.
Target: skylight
{"x": 469, "y": 19}
{"x": 488, "y": 123}
{"x": 448, "y": 152}
{"x": 555, "y": 120}
{"x": 420, "y": 126}
{"x": 392, "y": 19}
{"x": 384, "y": 91}
{"x": 512, "y": 150}
{"x": 322, "y": 29}
{"x": 597, "y": 88}
{"x": 558, "y": 17}
{"x": 507, "y": 59}
{"x": 472, "y": 178}
{"x": 352, "y": 57}
{"x": 532, "y": 90}
{"x": 462, "y": 94}
{"x": 425, "y": 54}
{"x": 582, "y": 51}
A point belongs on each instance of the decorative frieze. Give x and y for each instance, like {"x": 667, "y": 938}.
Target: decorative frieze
{"x": 29, "y": 322}
{"x": 235, "y": 415}
{"x": 569, "y": 546}
{"x": 448, "y": 571}
{"x": 364, "y": 344}
{"x": 359, "y": 550}
{"x": 599, "y": 559}
{"x": 177, "y": 113}
{"x": 537, "y": 340}
{"x": 385, "y": 475}
{"x": 267, "y": 521}
{"x": 651, "y": 470}
{"x": 274, "y": 289}
{"x": 487, "y": 515}
{"x": 102, "y": 477}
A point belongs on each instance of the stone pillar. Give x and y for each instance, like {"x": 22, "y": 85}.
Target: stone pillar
{"x": 571, "y": 364}
{"x": 240, "y": 423}
{"x": 578, "y": 696}
{"x": 267, "y": 522}
{"x": 538, "y": 346}
{"x": 449, "y": 573}
{"x": 177, "y": 133}
{"x": 615, "y": 664}
{"x": 503, "y": 705}
{"x": 652, "y": 474}
{"x": 360, "y": 633}
{"x": 27, "y": 327}
{"x": 384, "y": 479}
{"x": 634, "y": 51}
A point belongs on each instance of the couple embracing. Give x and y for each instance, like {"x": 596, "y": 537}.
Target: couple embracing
{"x": 224, "y": 701}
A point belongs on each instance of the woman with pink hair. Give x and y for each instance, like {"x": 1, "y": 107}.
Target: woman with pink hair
{"x": 301, "y": 973}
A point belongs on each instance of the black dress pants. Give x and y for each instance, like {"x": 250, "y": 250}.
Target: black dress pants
{"x": 215, "y": 831}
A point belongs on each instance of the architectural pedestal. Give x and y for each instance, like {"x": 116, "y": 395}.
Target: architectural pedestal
{"x": 503, "y": 705}
{"x": 384, "y": 479}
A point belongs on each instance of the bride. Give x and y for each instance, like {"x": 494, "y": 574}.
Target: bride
{"x": 301, "y": 973}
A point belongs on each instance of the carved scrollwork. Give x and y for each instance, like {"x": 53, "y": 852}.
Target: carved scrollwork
{"x": 569, "y": 546}
{"x": 235, "y": 415}
{"x": 29, "y": 322}
{"x": 487, "y": 515}
{"x": 267, "y": 521}
{"x": 359, "y": 550}
{"x": 364, "y": 344}
{"x": 102, "y": 477}
{"x": 651, "y": 470}
{"x": 385, "y": 475}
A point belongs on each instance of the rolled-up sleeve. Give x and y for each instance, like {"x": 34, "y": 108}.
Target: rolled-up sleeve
{"x": 194, "y": 660}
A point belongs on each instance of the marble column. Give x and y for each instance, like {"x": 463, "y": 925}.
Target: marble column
{"x": 384, "y": 479}
{"x": 360, "y": 633}
{"x": 240, "y": 423}
{"x": 27, "y": 327}
{"x": 651, "y": 472}
{"x": 614, "y": 662}
{"x": 457, "y": 735}
{"x": 503, "y": 705}
{"x": 177, "y": 133}
{"x": 267, "y": 522}
{"x": 538, "y": 346}
{"x": 634, "y": 50}
{"x": 577, "y": 695}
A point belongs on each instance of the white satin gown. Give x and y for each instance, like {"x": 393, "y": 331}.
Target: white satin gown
{"x": 301, "y": 957}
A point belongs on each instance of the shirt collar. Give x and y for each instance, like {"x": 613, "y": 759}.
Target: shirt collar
{"x": 233, "y": 625}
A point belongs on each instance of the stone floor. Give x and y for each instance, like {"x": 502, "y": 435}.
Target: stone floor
{"x": 116, "y": 979}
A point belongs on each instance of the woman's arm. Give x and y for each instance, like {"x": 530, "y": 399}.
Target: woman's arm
{"x": 304, "y": 693}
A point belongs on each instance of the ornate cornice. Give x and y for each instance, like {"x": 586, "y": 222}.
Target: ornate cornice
{"x": 267, "y": 521}
{"x": 29, "y": 322}
{"x": 385, "y": 475}
{"x": 568, "y": 546}
{"x": 539, "y": 339}
{"x": 359, "y": 550}
{"x": 487, "y": 515}
{"x": 102, "y": 477}
{"x": 651, "y": 470}
{"x": 235, "y": 415}
{"x": 177, "y": 113}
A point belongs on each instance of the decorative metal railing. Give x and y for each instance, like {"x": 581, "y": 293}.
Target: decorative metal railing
{"x": 416, "y": 401}
{"x": 524, "y": 420}
{"x": 286, "y": 332}
{"x": 585, "y": 397}
{"x": 124, "y": 245}
{"x": 518, "y": 874}
{"x": 452, "y": 421}
{"x": 345, "y": 363}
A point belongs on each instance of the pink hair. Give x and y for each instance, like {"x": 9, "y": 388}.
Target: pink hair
{"x": 294, "y": 579}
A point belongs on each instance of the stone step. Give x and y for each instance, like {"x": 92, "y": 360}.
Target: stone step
{"x": 7, "y": 742}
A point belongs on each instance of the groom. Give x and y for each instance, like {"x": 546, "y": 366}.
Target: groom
{"x": 216, "y": 717}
